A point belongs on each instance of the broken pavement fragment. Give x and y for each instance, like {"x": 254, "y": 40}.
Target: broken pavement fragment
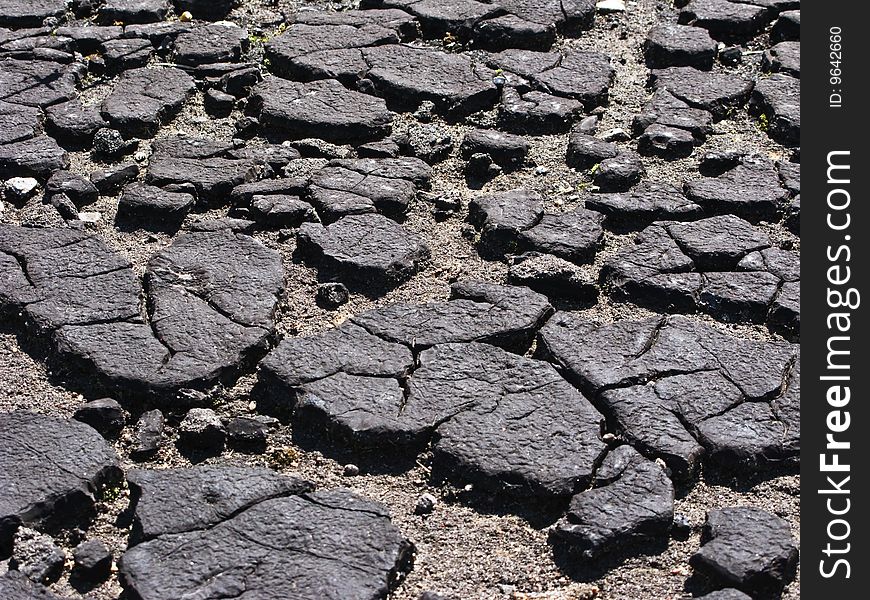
{"x": 643, "y": 204}
{"x": 718, "y": 93}
{"x": 502, "y": 315}
{"x": 323, "y": 109}
{"x": 250, "y": 531}
{"x": 778, "y": 98}
{"x": 494, "y": 26}
{"x": 479, "y": 402}
{"x": 38, "y": 82}
{"x": 503, "y": 422}
{"x": 209, "y": 167}
{"x": 751, "y": 189}
{"x": 748, "y": 548}
{"x": 406, "y": 76}
{"x": 631, "y": 502}
{"x": 582, "y": 75}
{"x": 188, "y": 499}
{"x": 144, "y": 99}
{"x": 50, "y": 470}
{"x": 678, "y": 389}
{"x": 210, "y": 303}
{"x": 358, "y": 186}
{"x": 365, "y": 247}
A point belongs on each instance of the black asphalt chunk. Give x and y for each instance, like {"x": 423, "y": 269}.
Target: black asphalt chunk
{"x": 679, "y": 46}
{"x": 357, "y": 186}
{"x": 634, "y": 504}
{"x": 201, "y": 430}
{"x": 152, "y": 207}
{"x": 206, "y": 166}
{"x": 668, "y": 111}
{"x": 87, "y": 38}
{"x": 190, "y": 147}
{"x": 211, "y": 298}
{"x": 407, "y": 76}
{"x": 36, "y": 555}
{"x": 666, "y": 142}
{"x": 148, "y": 436}
{"x": 717, "y": 243}
{"x": 60, "y": 277}
{"x": 77, "y": 188}
{"x": 111, "y": 179}
{"x": 575, "y": 235}
{"x": 677, "y": 388}
{"x": 51, "y": 469}
{"x": 726, "y": 20}
{"x": 750, "y": 190}
{"x": 495, "y": 26}
{"x": 144, "y": 99}
{"x": 507, "y": 150}
{"x": 362, "y": 413}
{"x": 718, "y": 93}
{"x": 511, "y": 31}
{"x": 276, "y": 211}
{"x": 537, "y": 112}
{"x": 787, "y": 27}
{"x": 785, "y": 314}
{"x": 14, "y": 584}
{"x": 348, "y": 349}
{"x": 619, "y": 173}
{"x": 328, "y": 543}
{"x": 748, "y": 548}
{"x": 19, "y": 122}
{"x": 92, "y": 561}
{"x": 440, "y": 18}
{"x": 777, "y": 98}
{"x": 790, "y": 175}
{"x": 29, "y": 13}
{"x": 133, "y": 11}
{"x": 215, "y": 43}
{"x": 72, "y": 121}
{"x": 586, "y": 151}
{"x": 319, "y": 48}
{"x": 368, "y": 246}
{"x": 784, "y": 57}
{"x": 506, "y": 316}
{"x": 37, "y": 82}
{"x": 583, "y": 75}
{"x": 37, "y": 157}
{"x": 711, "y": 265}
{"x": 323, "y": 109}
{"x": 181, "y": 500}
{"x": 104, "y": 414}
{"x": 645, "y": 203}
{"x": 243, "y": 194}
{"x": 276, "y": 156}
{"x": 127, "y": 53}
{"x": 487, "y": 403}
{"x": 554, "y": 277}
{"x": 501, "y": 217}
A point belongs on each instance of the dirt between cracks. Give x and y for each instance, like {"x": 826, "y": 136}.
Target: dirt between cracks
{"x": 469, "y": 547}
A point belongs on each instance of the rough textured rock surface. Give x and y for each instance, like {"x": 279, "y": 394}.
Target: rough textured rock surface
{"x": 206, "y": 308}
{"x": 274, "y": 542}
{"x": 679, "y": 389}
{"x": 632, "y": 501}
{"x": 51, "y": 470}
{"x": 146, "y": 98}
{"x": 367, "y": 246}
{"x": 748, "y": 548}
